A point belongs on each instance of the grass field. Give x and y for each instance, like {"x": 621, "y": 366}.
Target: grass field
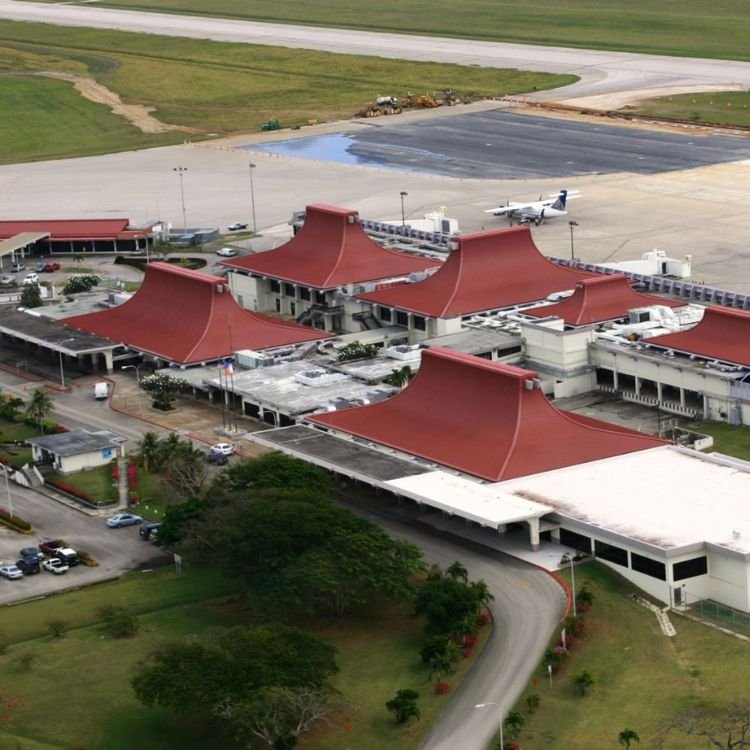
{"x": 642, "y": 677}
{"x": 78, "y": 691}
{"x": 725, "y": 108}
{"x": 719, "y": 29}
{"x": 734, "y": 441}
{"x": 212, "y": 87}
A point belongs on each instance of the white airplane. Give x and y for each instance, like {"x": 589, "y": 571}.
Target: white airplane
{"x": 536, "y": 211}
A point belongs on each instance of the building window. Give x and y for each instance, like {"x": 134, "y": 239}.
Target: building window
{"x": 578, "y": 542}
{"x": 420, "y": 323}
{"x": 320, "y": 298}
{"x": 384, "y": 313}
{"x": 292, "y": 308}
{"x": 609, "y": 552}
{"x": 275, "y": 286}
{"x": 289, "y": 290}
{"x": 278, "y": 305}
{"x": 648, "y": 567}
{"x": 698, "y": 566}
{"x": 402, "y": 318}
{"x": 304, "y": 292}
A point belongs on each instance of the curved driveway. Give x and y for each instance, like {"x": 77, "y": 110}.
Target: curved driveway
{"x": 528, "y": 606}
{"x": 600, "y": 72}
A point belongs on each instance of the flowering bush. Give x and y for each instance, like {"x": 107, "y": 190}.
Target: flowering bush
{"x": 470, "y": 641}
{"x": 483, "y": 619}
{"x": 441, "y": 688}
{"x": 467, "y": 652}
{"x": 14, "y": 521}
{"x": 70, "y": 490}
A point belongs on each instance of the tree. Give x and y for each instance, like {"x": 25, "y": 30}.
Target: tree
{"x": 585, "y": 596}
{"x": 184, "y": 469}
{"x": 627, "y": 736}
{"x": 163, "y": 388}
{"x": 40, "y": 406}
{"x": 119, "y": 622}
{"x": 76, "y": 284}
{"x": 276, "y": 470}
{"x": 31, "y": 296}
{"x": 440, "y": 655}
{"x": 148, "y": 451}
{"x": 583, "y": 680}
{"x": 724, "y": 727}
{"x": 177, "y": 519}
{"x": 404, "y": 706}
{"x": 10, "y": 405}
{"x": 236, "y": 668}
{"x": 482, "y": 594}
{"x": 514, "y": 722}
{"x": 357, "y": 350}
{"x": 448, "y": 605}
{"x": 399, "y": 377}
{"x": 458, "y": 571}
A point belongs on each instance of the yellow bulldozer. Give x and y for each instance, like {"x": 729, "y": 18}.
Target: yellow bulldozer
{"x": 415, "y": 101}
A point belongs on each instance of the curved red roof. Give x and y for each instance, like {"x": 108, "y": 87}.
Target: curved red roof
{"x": 722, "y": 334}
{"x": 483, "y": 418}
{"x": 597, "y": 300}
{"x": 488, "y": 271}
{"x": 330, "y": 250}
{"x": 189, "y": 317}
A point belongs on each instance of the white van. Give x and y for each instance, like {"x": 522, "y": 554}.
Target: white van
{"x": 101, "y": 391}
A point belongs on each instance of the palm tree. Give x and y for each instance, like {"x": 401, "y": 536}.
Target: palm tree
{"x": 627, "y": 736}
{"x": 514, "y": 722}
{"x": 148, "y": 451}
{"x": 482, "y": 593}
{"x": 458, "y": 571}
{"x": 40, "y": 406}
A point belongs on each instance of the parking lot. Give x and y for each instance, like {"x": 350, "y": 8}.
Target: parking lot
{"x": 116, "y": 550}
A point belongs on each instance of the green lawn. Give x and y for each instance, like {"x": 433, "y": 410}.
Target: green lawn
{"x": 734, "y": 441}
{"x": 642, "y": 677}
{"x": 213, "y": 87}
{"x": 378, "y": 654}
{"x": 718, "y": 29}
{"x": 726, "y": 108}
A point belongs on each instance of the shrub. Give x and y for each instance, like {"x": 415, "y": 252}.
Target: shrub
{"x": 482, "y": 619}
{"x": 119, "y": 622}
{"x": 576, "y": 626}
{"x": 467, "y": 652}
{"x": 441, "y": 688}
{"x": 86, "y": 558}
{"x": 404, "y": 706}
{"x": 57, "y": 628}
{"x": 532, "y": 701}
{"x": 14, "y": 521}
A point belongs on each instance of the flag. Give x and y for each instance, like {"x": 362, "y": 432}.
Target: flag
{"x": 229, "y": 366}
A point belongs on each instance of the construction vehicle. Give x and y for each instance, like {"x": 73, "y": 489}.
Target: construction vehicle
{"x": 271, "y": 125}
{"x": 383, "y": 105}
{"x": 415, "y": 101}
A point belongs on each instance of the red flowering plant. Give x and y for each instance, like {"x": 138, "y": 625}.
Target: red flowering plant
{"x": 441, "y": 688}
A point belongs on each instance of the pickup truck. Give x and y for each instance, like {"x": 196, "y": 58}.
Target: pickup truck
{"x": 55, "y": 565}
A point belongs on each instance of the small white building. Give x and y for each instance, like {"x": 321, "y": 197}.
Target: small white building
{"x": 77, "y": 450}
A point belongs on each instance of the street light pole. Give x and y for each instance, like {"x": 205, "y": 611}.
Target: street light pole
{"x": 572, "y": 581}
{"x": 137, "y": 372}
{"x": 483, "y": 705}
{"x": 252, "y": 197}
{"x": 62, "y": 371}
{"x": 181, "y": 171}
{"x": 7, "y": 489}
{"x": 572, "y": 224}
{"x": 403, "y": 215}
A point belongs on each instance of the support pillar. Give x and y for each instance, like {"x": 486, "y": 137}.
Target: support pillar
{"x": 682, "y": 397}
{"x": 637, "y": 386}
{"x": 533, "y": 533}
{"x": 658, "y": 390}
{"x": 109, "y": 362}
{"x": 616, "y": 379}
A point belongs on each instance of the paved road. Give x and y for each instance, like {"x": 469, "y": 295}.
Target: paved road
{"x": 527, "y": 608}
{"x": 600, "y": 72}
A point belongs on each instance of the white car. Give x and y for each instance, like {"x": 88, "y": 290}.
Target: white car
{"x": 237, "y": 226}
{"x": 11, "y": 572}
{"x": 226, "y": 252}
{"x": 30, "y": 278}
{"x": 55, "y": 565}
{"x": 223, "y": 449}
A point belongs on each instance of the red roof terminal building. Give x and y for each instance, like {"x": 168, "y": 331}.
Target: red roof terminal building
{"x": 309, "y": 277}
{"x": 186, "y": 317}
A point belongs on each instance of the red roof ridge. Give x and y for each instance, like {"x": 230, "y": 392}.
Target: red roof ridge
{"x": 488, "y": 270}
{"x": 483, "y": 418}
{"x": 330, "y": 250}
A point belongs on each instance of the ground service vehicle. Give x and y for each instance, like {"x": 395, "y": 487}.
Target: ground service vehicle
{"x": 101, "y": 391}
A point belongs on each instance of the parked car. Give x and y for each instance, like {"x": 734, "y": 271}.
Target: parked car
{"x": 7, "y": 279}
{"x": 55, "y": 565}
{"x": 30, "y": 278}
{"x": 29, "y": 565}
{"x": 237, "y": 225}
{"x": 50, "y": 267}
{"x": 123, "y": 519}
{"x": 218, "y": 459}
{"x": 226, "y": 252}
{"x": 11, "y": 571}
{"x": 67, "y": 555}
{"x": 223, "y": 449}
{"x": 149, "y": 530}
{"x": 34, "y": 552}
{"x": 48, "y": 546}
{"x": 40, "y": 267}
{"x": 17, "y": 267}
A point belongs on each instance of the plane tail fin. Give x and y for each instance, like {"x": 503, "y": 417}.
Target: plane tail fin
{"x": 562, "y": 199}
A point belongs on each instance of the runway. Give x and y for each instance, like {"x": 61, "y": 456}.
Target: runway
{"x": 600, "y": 71}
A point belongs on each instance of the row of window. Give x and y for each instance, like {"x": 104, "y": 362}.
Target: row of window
{"x": 301, "y": 292}
{"x": 401, "y": 318}
{"x": 698, "y": 566}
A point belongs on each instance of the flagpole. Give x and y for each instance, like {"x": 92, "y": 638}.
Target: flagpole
{"x": 221, "y": 397}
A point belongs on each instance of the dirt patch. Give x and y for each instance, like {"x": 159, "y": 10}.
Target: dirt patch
{"x": 135, "y": 114}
